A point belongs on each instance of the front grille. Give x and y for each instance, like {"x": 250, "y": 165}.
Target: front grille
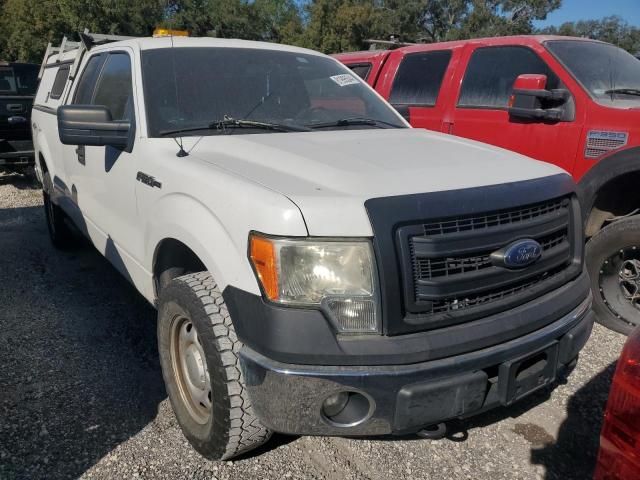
{"x": 426, "y": 268}
{"x": 456, "y": 304}
{"x": 449, "y": 273}
{"x": 494, "y": 219}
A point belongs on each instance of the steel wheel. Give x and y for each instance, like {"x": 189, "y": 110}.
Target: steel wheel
{"x": 190, "y": 369}
{"x": 619, "y": 284}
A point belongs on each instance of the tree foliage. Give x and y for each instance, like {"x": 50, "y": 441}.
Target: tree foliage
{"x": 327, "y": 25}
{"x": 612, "y": 29}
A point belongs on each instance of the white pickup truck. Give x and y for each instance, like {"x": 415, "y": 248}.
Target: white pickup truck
{"x": 318, "y": 266}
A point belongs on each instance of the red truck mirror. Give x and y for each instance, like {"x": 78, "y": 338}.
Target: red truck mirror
{"x": 531, "y": 100}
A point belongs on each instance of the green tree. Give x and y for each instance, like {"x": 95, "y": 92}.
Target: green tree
{"x": 335, "y": 25}
{"x": 270, "y": 20}
{"x": 27, "y": 25}
{"x": 612, "y": 29}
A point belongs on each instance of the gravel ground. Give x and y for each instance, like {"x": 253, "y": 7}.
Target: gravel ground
{"x": 81, "y": 392}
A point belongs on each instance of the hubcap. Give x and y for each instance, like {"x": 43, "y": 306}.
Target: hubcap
{"x": 190, "y": 369}
{"x": 619, "y": 284}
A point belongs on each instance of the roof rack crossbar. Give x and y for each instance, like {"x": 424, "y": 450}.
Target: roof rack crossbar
{"x": 88, "y": 39}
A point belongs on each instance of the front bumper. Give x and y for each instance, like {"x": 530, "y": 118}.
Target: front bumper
{"x": 402, "y": 399}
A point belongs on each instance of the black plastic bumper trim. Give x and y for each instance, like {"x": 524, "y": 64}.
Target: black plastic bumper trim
{"x": 306, "y": 336}
{"x": 288, "y": 398}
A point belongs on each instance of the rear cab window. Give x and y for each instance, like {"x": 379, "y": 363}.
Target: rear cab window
{"x": 491, "y": 72}
{"x": 419, "y": 78}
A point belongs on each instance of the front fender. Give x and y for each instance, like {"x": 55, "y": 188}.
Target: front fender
{"x": 186, "y": 219}
{"x": 607, "y": 169}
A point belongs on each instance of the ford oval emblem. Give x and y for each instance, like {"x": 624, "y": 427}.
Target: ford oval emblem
{"x": 518, "y": 254}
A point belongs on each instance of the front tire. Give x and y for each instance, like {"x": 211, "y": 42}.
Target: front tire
{"x": 198, "y": 351}
{"x": 613, "y": 262}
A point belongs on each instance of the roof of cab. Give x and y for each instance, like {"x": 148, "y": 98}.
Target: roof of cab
{"x": 421, "y": 47}
{"x": 150, "y": 43}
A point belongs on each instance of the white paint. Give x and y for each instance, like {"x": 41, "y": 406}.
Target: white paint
{"x": 290, "y": 184}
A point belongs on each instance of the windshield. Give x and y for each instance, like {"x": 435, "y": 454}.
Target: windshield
{"x": 18, "y": 79}
{"x": 211, "y": 88}
{"x": 606, "y": 71}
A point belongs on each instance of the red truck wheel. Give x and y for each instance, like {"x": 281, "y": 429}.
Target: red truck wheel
{"x": 613, "y": 261}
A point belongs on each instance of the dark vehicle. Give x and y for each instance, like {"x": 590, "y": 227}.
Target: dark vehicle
{"x": 18, "y": 84}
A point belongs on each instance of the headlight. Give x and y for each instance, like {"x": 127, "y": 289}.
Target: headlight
{"x": 334, "y": 275}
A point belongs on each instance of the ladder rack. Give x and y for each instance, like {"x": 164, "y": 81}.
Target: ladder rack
{"x": 88, "y": 40}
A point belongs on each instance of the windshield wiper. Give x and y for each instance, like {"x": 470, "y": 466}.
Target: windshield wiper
{"x": 233, "y": 122}
{"x": 345, "y": 122}
{"x": 230, "y": 122}
{"x": 624, "y": 91}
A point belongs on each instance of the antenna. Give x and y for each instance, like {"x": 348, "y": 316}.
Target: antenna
{"x": 181, "y": 152}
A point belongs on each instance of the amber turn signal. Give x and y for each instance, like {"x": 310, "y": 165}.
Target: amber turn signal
{"x": 263, "y": 257}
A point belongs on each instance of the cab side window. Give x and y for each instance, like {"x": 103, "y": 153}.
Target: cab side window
{"x": 87, "y": 82}
{"x": 59, "y": 82}
{"x": 419, "y": 78}
{"x": 114, "y": 89}
{"x": 488, "y": 81}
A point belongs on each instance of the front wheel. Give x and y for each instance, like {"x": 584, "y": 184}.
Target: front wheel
{"x": 613, "y": 261}
{"x": 198, "y": 351}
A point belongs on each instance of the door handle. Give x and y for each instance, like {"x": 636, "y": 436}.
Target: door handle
{"x": 80, "y": 152}
{"x": 15, "y": 107}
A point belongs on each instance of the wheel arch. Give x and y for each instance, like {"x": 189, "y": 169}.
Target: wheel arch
{"x": 185, "y": 233}
{"x": 44, "y": 159}
{"x": 606, "y": 190}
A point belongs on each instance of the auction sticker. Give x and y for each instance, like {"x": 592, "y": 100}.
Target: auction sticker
{"x": 344, "y": 79}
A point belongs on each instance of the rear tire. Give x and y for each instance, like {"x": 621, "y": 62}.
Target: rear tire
{"x": 198, "y": 351}
{"x": 613, "y": 262}
{"x": 60, "y": 233}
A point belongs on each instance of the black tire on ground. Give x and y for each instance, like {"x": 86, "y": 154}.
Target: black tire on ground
{"x": 606, "y": 254}
{"x": 231, "y": 428}
{"x": 60, "y": 233}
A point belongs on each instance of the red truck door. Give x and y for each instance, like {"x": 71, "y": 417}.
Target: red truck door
{"x": 480, "y": 111}
{"x": 416, "y": 83}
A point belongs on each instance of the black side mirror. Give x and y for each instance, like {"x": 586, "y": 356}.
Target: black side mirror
{"x": 531, "y": 100}
{"x": 92, "y": 125}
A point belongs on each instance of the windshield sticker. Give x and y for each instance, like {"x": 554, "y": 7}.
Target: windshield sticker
{"x": 344, "y": 79}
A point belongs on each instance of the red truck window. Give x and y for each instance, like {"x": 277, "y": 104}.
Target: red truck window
{"x": 419, "y": 78}
{"x": 489, "y": 79}
{"x": 361, "y": 69}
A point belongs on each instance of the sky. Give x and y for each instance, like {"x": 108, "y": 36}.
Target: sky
{"x": 573, "y": 10}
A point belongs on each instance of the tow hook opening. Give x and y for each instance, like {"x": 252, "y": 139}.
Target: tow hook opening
{"x": 433, "y": 432}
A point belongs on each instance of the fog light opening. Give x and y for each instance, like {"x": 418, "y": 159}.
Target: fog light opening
{"x": 346, "y": 409}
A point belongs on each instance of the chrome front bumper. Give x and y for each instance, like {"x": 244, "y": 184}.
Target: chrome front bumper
{"x": 405, "y": 398}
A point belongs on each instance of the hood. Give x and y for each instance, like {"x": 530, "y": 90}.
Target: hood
{"x": 329, "y": 175}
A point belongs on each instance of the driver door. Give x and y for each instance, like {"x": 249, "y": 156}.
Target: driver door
{"x": 103, "y": 178}
{"x": 482, "y": 113}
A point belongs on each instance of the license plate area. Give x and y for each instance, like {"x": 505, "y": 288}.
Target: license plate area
{"x": 521, "y": 376}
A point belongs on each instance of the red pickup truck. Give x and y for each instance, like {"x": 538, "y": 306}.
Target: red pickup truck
{"x": 573, "y": 102}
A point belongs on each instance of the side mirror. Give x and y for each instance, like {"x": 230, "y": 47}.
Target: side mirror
{"x": 92, "y": 125}
{"x": 531, "y": 100}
